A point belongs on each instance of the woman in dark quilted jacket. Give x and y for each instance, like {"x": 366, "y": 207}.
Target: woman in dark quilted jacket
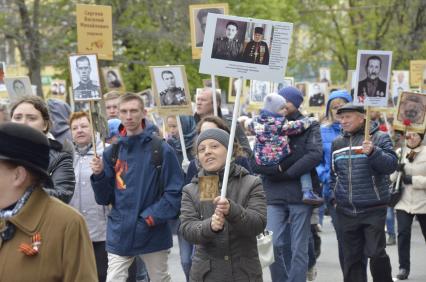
{"x": 32, "y": 111}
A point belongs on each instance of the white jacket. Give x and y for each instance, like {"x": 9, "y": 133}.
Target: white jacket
{"x": 413, "y": 198}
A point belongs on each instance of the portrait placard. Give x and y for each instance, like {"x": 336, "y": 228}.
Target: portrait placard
{"x": 171, "y": 91}
{"x": 325, "y": 75}
{"x": 244, "y": 47}
{"x": 94, "y": 30}
{"x": 316, "y": 96}
{"x": 85, "y": 77}
{"x": 112, "y": 78}
{"x": 2, "y": 74}
{"x": 234, "y": 84}
{"x": 277, "y": 86}
{"x": 197, "y": 22}
{"x": 373, "y": 77}
{"x": 400, "y": 83}
{"x": 99, "y": 118}
{"x": 58, "y": 89}
{"x": 209, "y": 187}
{"x": 148, "y": 99}
{"x": 208, "y": 82}
{"x": 258, "y": 90}
{"x": 416, "y": 71}
{"x": 18, "y": 86}
{"x": 302, "y": 86}
{"x": 412, "y": 107}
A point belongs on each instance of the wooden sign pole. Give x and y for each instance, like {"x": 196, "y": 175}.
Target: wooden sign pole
{"x": 93, "y": 128}
{"x": 367, "y": 124}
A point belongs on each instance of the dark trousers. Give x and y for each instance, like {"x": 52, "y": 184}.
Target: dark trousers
{"x": 364, "y": 235}
{"x": 405, "y": 221}
{"x": 101, "y": 258}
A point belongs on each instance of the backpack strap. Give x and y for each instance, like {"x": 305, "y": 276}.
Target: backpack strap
{"x": 114, "y": 154}
{"x": 157, "y": 160}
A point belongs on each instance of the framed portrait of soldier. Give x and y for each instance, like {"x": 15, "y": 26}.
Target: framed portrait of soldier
{"x": 148, "y": 98}
{"x": 412, "y": 107}
{"x": 302, "y": 86}
{"x": 325, "y": 75}
{"x": 85, "y": 79}
{"x": 258, "y": 90}
{"x": 18, "y": 86}
{"x": 277, "y": 86}
{"x": 2, "y": 74}
{"x": 208, "y": 82}
{"x": 171, "y": 92}
{"x": 400, "y": 83}
{"x": 244, "y": 47}
{"x": 373, "y": 78}
{"x": 234, "y": 84}
{"x": 198, "y": 21}
{"x": 316, "y": 96}
{"x": 58, "y": 89}
{"x": 112, "y": 78}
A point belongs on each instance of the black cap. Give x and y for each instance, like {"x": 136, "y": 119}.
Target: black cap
{"x": 258, "y": 30}
{"x": 25, "y": 146}
{"x": 349, "y": 107}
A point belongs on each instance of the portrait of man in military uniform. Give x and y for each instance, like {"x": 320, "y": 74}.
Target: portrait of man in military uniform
{"x": 256, "y": 51}
{"x": 228, "y": 47}
{"x": 172, "y": 95}
{"x": 84, "y": 87}
{"x": 316, "y": 96}
{"x": 202, "y": 20}
{"x": 372, "y": 85}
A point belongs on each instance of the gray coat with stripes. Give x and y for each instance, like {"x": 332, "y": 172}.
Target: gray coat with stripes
{"x": 361, "y": 182}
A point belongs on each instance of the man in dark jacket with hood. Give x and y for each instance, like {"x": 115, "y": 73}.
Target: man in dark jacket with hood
{"x": 360, "y": 181}
{"x": 284, "y": 195}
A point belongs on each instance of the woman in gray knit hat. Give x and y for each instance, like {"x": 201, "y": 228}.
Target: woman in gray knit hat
{"x": 223, "y": 230}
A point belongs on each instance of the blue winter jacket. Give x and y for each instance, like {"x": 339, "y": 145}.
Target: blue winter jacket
{"x": 137, "y": 223}
{"x": 361, "y": 182}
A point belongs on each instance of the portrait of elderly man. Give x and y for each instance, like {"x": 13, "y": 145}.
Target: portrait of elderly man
{"x": 228, "y": 47}
{"x": 86, "y": 88}
{"x": 202, "y": 21}
{"x": 19, "y": 87}
{"x": 172, "y": 95}
{"x": 257, "y": 51}
{"x": 413, "y": 109}
{"x": 372, "y": 86}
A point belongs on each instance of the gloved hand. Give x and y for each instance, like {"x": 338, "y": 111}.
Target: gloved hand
{"x": 407, "y": 179}
{"x": 400, "y": 167}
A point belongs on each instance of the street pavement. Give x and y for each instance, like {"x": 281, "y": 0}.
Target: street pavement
{"x": 328, "y": 263}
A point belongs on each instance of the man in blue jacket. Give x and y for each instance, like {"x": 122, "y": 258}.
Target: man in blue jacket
{"x": 360, "y": 181}
{"x": 143, "y": 198}
{"x": 286, "y": 212}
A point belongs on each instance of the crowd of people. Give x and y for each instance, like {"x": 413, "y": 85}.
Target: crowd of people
{"x": 73, "y": 208}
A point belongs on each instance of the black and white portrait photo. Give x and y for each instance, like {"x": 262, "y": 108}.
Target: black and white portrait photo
{"x": 277, "y": 86}
{"x": 171, "y": 87}
{"x": 412, "y": 107}
{"x": 400, "y": 83}
{"x": 316, "y": 94}
{"x": 373, "y": 77}
{"x": 258, "y": 90}
{"x": 325, "y": 75}
{"x": 18, "y": 86}
{"x": 112, "y": 78}
{"x": 234, "y": 86}
{"x": 85, "y": 77}
{"x": 148, "y": 99}
{"x": 58, "y": 88}
{"x": 198, "y": 21}
{"x": 229, "y": 38}
{"x": 257, "y": 43}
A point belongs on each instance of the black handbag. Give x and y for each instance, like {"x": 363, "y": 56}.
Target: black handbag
{"x": 396, "y": 191}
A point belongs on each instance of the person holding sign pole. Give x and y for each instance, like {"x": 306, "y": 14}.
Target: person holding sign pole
{"x": 360, "y": 179}
{"x": 284, "y": 194}
{"x": 223, "y": 229}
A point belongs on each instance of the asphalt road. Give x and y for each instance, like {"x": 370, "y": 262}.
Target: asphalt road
{"x": 328, "y": 265}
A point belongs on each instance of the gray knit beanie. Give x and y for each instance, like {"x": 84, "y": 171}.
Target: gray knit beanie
{"x": 217, "y": 134}
{"x": 273, "y": 103}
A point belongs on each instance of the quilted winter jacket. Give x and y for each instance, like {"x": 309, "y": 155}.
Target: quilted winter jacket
{"x": 231, "y": 254}
{"x": 361, "y": 182}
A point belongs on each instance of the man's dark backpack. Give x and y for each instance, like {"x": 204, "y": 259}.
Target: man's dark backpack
{"x": 156, "y": 159}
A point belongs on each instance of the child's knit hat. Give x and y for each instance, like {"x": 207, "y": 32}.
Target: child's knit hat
{"x": 273, "y": 103}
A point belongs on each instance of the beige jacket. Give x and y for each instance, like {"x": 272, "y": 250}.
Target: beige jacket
{"x": 66, "y": 252}
{"x": 413, "y": 198}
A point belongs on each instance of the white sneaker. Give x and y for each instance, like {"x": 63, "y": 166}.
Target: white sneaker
{"x": 311, "y": 274}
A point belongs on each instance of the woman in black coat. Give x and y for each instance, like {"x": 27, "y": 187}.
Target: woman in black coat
{"x": 32, "y": 111}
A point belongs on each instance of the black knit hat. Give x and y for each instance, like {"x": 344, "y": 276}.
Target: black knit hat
{"x": 349, "y": 107}
{"x": 25, "y": 146}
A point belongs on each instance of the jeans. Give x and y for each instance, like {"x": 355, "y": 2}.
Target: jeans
{"x": 293, "y": 219}
{"x": 101, "y": 257}
{"x": 390, "y": 222}
{"x": 405, "y": 221}
{"x": 306, "y": 182}
{"x": 141, "y": 273}
{"x": 364, "y": 235}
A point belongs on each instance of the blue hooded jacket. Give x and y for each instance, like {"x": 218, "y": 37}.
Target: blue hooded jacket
{"x": 329, "y": 132}
{"x": 137, "y": 223}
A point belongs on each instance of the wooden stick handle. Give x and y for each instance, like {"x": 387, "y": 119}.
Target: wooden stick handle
{"x": 367, "y": 124}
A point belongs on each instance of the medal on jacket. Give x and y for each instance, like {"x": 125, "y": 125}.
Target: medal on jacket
{"x": 208, "y": 187}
